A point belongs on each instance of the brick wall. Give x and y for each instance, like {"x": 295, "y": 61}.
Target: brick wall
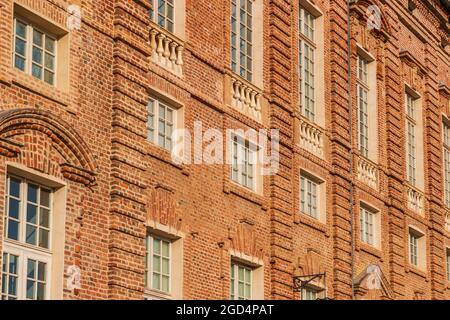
{"x": 93, "y": 137}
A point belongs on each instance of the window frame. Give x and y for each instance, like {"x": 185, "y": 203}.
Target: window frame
{"x": 247, "y": 71}
{"x": 309, "y": 292}
{"x": 24, "y": 254}
{"x": 446, "y": 158}
{"x": 240, "y": 146}
{"x": 155, "y": 122}
{"x": 155, "y": 14}
{"x": 414, "y": 248}
{"x": 20, "y": 248}
{"x": 24, "y": 182}
{"x": 307, "y": 39}
{"x": 316, "y": 183}
{"x": 411, "y": 147}
{"x": 234, "y": 281}
{"x": 362, "y": 104}
{"x": 149, "y": 259}
{"x": 29, "y": 44}
{"x": 368, "y": 225}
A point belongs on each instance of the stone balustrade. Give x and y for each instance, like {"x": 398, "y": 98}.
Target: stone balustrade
{"x": 246, "y": 97}
{"x": 167, "y": 49}
{"x": 368, "y": 172}
{"x": 311, "y": 137}
{"x": 415, "y": 200}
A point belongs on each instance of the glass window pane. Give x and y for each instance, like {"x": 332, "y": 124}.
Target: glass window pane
{"x": 14, "y": 187}
{"x": 156, "y": 282}
{"x": 37, "y": 38}
{"x": 31, "y": 269}
{"x": 4, "y": 262}
{"x": 165, "y": 266}
{"x": 31, "y": 234}
{"x": 32, "y": 193}
{"x": 40, "y": 291}
{"x": 50, "y": 45}
{"x": 44, "y": 219}
{"x": 45, "y": 197}
{"x": 37, "y": 55}
{"x": 165, "y": 248}
{"x": 19, "y": 63}
{"x": 241, "y": 274}
{"x": 13, "y": 208}
{"x": 12, "y": 286}
{"x": 20, "y": 46}
{"x": 49, "y": 61}
{"x": 156, "y": 264}
{"x": 49, "y": 77}
{"x": 241, "y": 290}
{"x": 156, "y": 246}
{"x": 21, "y": 29}
{"x": 165, "y": 284}
{"x": 13, "y": 264}
{"x": 43, "y": 238}
{"x": 13, "y": 230}
{"x": 41, "y": 271}
{"x": 31, "y": 213}
{"x": 30, "y": 289}
{"x": 4, "y": 283}
{"x": 36, "y": 71}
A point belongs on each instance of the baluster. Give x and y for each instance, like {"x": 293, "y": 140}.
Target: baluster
{"x": 179, "y": 61}
{"x": 167, "y": 52}
{"x": 153, "y": 44}
{"x": 173, "y": 55}
{"x": 160, "y": 49}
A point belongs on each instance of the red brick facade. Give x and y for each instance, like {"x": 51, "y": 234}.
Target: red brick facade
{"x": 91, "y": 135}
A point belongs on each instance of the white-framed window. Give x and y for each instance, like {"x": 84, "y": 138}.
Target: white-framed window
{"x": 34, "y": 51}
{"x": 307, "y": 49}
{"x": 242, "y": 38}
{"x": 411, "y": 138}
{"x": 243, "y": 159}
{"x": 161, "y": 122}
{"x": 309, "y": 196}
{"x": 27, "y": 254}
{"x": 414, "y": 249}
{"x": 309, "y": 294}
{"x": 362, "y": 88}
{"x": 158, "y": 261}
{"x": 367, "y": 220}
{"x": 162, "y": 12}
{"x": 446, "y": 129}
{"x": 240, "y": 282}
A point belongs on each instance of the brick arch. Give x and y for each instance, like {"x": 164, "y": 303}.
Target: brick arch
{"x": 365, "y": 4}
{"x": 79, "y": 164}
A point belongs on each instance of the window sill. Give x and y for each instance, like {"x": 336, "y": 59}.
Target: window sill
{"x": 165, "y": 156}
{"x": 231, "y": 187}
{"x": 369, "y": 249}
{"x": 316, "y": 224}
{"x": 415, "y": 270}
{"x": 40, "y": 87}
{"x": 158, "y": 295}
